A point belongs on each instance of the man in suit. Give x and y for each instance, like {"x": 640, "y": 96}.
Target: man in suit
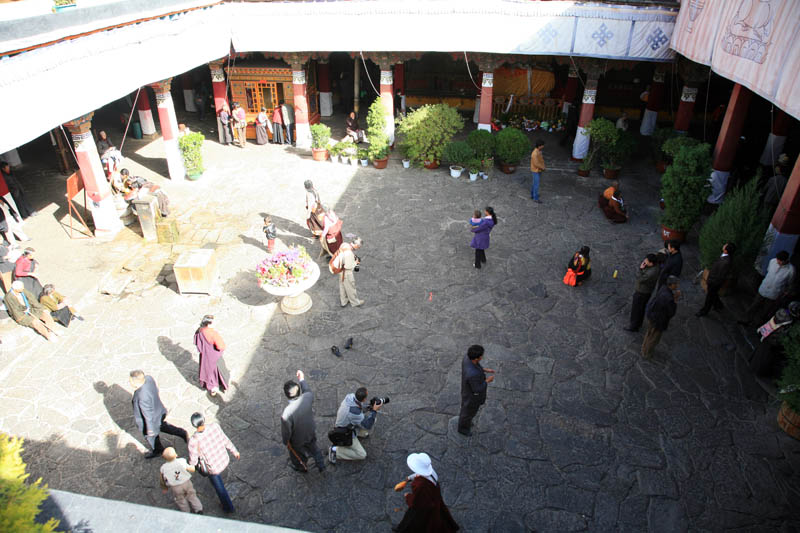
{"x": 297, "y": 425}
{"x": 717, "y": 275}
{"x": 26, "y": 311}
{"x": 673, "y": 265}
{"x": 473, "y": 387}
{"x": 659, "y": 312}
{"x": 150, "y": 414}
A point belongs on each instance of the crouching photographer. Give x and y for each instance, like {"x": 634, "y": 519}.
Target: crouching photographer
{"x": 354, "y": 420}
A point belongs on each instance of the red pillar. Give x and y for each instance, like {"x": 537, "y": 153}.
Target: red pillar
{"x": 653, "y": 104}
{"x": 400, "y": 83}
{"x": 781, "y": 123}
{"x": 169, "y": 129}
{"x": 387, "y": 84}
{"x": 683, "y": 118}
{"x": 218, "y": 84}
{"x": 188, "y": 92}
{"x": 302, "y": 128}
{"x": 784, "y": 230}
{"x": 106, "y": 220}
{"x": 485, "y": 117}
{"x": 571, "y": 90}
{"x": 728, "y": 141}
{"x": 145, "y": 113}
{"x": 581, "y": 145}
{"x": 325, "y": 93}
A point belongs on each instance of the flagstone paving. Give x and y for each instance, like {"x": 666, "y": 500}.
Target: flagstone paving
{"x": 578, "y": 432}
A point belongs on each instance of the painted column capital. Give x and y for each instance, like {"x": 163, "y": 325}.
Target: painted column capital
{"x": 689, "y": 94}
{"x": 573, "y": 72}
{"x": 386, "y": 77}
{"x": 488, "y": 79}
{"x": 589, "y": 96}
{"x": 298, "y": 76}
{"x": 658, "y": 76}
{"x": 80, "y": 125}
{"x": 163, "y": 86}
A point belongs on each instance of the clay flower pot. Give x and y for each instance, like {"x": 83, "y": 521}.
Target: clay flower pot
{"x": 319, "y": 154}
{"x": 380, "y": 163}
{"x": 669, "y": 234}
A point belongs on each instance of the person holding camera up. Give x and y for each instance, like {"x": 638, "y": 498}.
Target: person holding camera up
{"x": 297, "y": 425}
{"x": 473, "y": 387}
{"x": 352, "y": 422}
{"x": 345, "y": 262}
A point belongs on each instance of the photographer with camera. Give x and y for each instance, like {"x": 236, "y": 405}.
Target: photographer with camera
{"x": 353, "y": 420}
{"x": 345, "y": 262}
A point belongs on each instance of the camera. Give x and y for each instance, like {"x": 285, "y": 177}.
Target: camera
{"x": 377, "y": 401}
{"x": 358, "y": 263}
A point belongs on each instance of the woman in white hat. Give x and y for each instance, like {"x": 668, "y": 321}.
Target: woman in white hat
{"x": 427, "y": 511}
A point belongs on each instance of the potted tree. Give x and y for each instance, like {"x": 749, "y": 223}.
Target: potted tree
{"x": 483, "y": 144}
{"x": 378, "y": 149}
{"x": 684, "y": 187}
{"x": 616, "y": 153}
{"x": 603, "y": 135}
{"x": 789, "y": 384}
{"x": 320, "y": 136}
{"x": 458, "y": 153}
{"x": 512, "y": 146}
{"x": 657, "y": 140}
{"x": 427, "y": 130}
{"x": 191, "y": 146}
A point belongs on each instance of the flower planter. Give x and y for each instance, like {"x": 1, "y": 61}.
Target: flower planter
{"x": 334, "y": 158}
{"x": 508, "y": 169}
{"x": 455, "y": 171}
{"x": 661, "y": 166}
{"x": 194, "y": 176}
{"x": 380, "y": 163}
{"x": 611, "y": 173}
{"x": 319, "y": 154}
{"x": 473, "y": 177}
{"x": 345, "y": 160}
{"x": 789, "y": 421}
{"x": 364, "y": 162}
{"x": 354, "y": 161}
{"x": 584, "y": 173}
{"x": 669, "y": 234}
{"x": 295, "y": 301}
{"x": 431, "y": 165}
{"x": 406, "y": 163}
{"x": 485, "y": 176}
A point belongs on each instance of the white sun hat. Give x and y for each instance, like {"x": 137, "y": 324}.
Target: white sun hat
{"x": 420, "y": 463}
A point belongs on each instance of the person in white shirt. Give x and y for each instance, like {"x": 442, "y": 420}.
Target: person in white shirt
{"x": 780, "y": 274}
{"x": 176, "y": 477}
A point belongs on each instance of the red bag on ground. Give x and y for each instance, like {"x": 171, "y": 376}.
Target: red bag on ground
{"x": 570, "y": 278}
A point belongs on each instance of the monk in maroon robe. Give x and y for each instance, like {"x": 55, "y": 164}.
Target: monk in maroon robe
{"x": 214, "y": 374}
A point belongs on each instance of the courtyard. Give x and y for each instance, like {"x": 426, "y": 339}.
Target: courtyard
{"x": 578, "y": 432}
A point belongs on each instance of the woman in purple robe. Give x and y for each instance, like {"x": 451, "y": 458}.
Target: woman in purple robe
{"x": 214, "y": 375}
{"x": 481, "y": 239}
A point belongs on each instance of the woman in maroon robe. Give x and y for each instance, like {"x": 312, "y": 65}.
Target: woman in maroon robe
{"x": 331, "y": 236}
{"x": 214, "y": 374}
{"x": 427, "y": 512}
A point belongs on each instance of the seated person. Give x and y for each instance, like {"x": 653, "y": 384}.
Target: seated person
{"x": 110, "y": 156}
{"x": 610, "y": 201}
{"x": 23, "y": 271}
{"x": 26, "y": 311}
{"x": 354, "y": 131}
{"x": 137, "y": 186}
{"x": 581, "y": 264}
{"x": 58, "y": 306}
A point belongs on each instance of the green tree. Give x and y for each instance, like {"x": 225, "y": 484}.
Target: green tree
{"x": 427, "y": 131}
{"x": 684, "y": 187}
{"x": 19, "y": 501}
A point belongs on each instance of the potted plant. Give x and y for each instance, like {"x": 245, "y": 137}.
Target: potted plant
{"x": 335, "y": 151}
{"x": 673, "y": 145}
{"x": 483, "y": 144}
{"x": 657, "y": 140}
{"x": 473, "y": 167}
{"x": 741, "y": 220}
{"x": 347, "y": 150}
{"x": 616, "y": 153}
{"x": 320, "y": 137}
{"x": 427, "y": 130}
{"x": 191, "y": 146}
{"x": 363, "y": 156}
{"x": 512, "y": 146}
{"x": 458, "y": 153}
{"x": 684, "y": 187}
{"x": 376, "y": 134}
{"x": 789, "y": 384}
{"x": 60, "y": 5}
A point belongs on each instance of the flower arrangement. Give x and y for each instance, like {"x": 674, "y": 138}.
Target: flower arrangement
{"x": 284, "y": 268}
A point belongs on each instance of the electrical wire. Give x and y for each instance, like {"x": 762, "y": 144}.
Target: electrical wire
{"x": 366, "y": 71}
{"x": 130, "y": 116}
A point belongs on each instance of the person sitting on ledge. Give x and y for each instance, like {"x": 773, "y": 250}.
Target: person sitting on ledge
{"x": 610, "y": 201}
{"x": 354, "y": 131}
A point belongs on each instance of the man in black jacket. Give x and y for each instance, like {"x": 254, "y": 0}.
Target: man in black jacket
{"x": 150, "y": 414}
{"x": 717, "y": 275}
{"x": 298, "y": 430}
{"x": 674, "y": 263}
{"x": 646, "y": 278}
{"x": 473, "y": 387}
{"x": 659, "y": 313}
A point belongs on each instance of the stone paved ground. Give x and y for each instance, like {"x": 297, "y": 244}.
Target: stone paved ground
{"x": 578, "y": 432}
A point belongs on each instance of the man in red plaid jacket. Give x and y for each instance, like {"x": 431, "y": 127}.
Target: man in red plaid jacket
{"x": 210, "y": 446}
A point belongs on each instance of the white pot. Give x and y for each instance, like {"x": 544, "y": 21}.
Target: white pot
{"x": 406, "y": 163}
{"x": 364, "y": 162}
{"x": 473, "y": 177}
{"x": 455, "y": 171}
{"x": 354, "y": 161}
{"x": 345, "y": 160}
{"x": 485, "y": 176}
{"x": 334, "y": 158}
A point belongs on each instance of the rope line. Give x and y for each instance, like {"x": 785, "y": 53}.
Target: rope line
{"x": 69, "y": 144}
{"x": 366, "y": 71}
{"x": 469, "y": 71}
{"x": 130, "y": 116}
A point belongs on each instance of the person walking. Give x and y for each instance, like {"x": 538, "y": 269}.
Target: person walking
{"x": 427, "y": 511}
{"x": 673, "y": 264}
{"x": 480, "y": 241}
{"x": 659, "y": 312}
{"x": 780, "y": 273}
{"x": 537, "y": 167}
{"x": 213, "y": 374}
{"x": 11, "y": 224}
{"x": 646, "y": 278}
{"x": 14, "y": 187}
{"x": 344, "y": 264}
{"x": 298, "y": 431}
{"x": 287, "y": 111}
{"x": 473, "y": 387}
{"x": 240, "y": 123}
{"x": 351, "y": 414}
{"x": 176, "y": 478}
{"x": 150, "y": 414}
{"x": 210, "y": 446}
{"x": 717, "y": 275}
